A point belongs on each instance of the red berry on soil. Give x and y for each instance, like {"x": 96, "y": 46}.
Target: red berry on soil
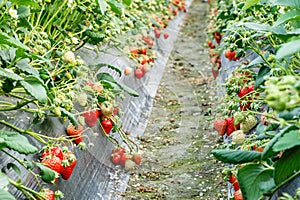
{"x": 137, "y": 158}
{"x": 236, "y": 186}
{"x": 116, "y": 158}
{"x": 232, "y": 179}
{"x": 166, "y": 35}
{"x": 124, "y": 158}
{"x": 138, "y": 73}
{"x": 75, "y": 133}
{"x": 53, "y": 163}
{"x": 230, "y": 125}
{"x": 91, "y": 117}
{"x": 68, "y": 170}
{"x": 220, "y": 126}
{"x": 107, "y": 125}
{"x": 52, "y": 151}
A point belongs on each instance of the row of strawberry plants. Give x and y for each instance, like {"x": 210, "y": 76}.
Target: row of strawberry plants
{"x": 41, "y": 75}
{"x": 256, "y": 45}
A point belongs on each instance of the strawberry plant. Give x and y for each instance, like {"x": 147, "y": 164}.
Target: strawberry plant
{"x": 263, "y": 34}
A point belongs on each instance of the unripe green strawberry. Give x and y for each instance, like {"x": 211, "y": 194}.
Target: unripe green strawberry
{"x": 129, "y": 164}
{"x": 82, "y": 99}
{"x": 239, "y": 117}
{"x": 238, "y": 136}
{"x": 248, "y": 123}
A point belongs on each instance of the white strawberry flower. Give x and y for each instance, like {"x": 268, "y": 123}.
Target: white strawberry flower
{"x": 75, "y": 40}
{"x": 13, "y": 13}
{"x": 69, "y": 57}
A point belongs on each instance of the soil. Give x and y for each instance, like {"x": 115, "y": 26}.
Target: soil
{"x": 176, "y": 145}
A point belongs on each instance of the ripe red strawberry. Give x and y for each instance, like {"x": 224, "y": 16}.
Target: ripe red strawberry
{"x": 230, "y": 125}
{"x": 166, "y": 35}
{"x": 52, "y": 151}
{"x": 47, "y": 194}
{"x": 230, "y": 55}
{"x": 237, "y": 195}
{"x": 236, "y": 186}
{"x": 53, "y": 163}
{"x": 138, "y": 73}
{"x": 75, "y": 133}
{"x": 137, "y": 158}
{"x": 220, "y": 126}
{"x": 157, "y": 33}
{"x": 91, "y": 117}
{"x": 116, "y": 158}
{"x": 124, "y": 158}
{"x": 232, "y": 178}
{"x": 127, "y": 70}
{"x": 70, "y": 159}
{"x": 143, "y": 51}
{"x": 107, "y": 125}
{"x": 119, "y": 150}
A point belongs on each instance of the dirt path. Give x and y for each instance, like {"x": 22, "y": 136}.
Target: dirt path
{"x": 179, "y": 136}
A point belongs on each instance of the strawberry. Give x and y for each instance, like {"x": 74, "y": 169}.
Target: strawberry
{"x": 249, "y": 123}
{"x": 107, "y": 125}
{"x": 129, "y": 164}
{"x": 236, "y": 186}
{"x": 157, "y": 33}
{"x": 81, "y": 99}
{"x": 220, "y": 126}
{"x": 119, "y": 150}
{"x": 47, "y": 194}
{"x": 166, "y": 35}
{"x": 91, "y": 117}
{"x": 75, "y": 133}
{"x": 116, "y": 158}
{"x": 137, "y": 158}
{"x": 238, "y": 136}
{"x": 143, "y": 51}
{"x": 70, "y": 159}
{"x": 52, "y": 151}
{"x": 138, "y": 73}
{"x": 124, "y": 158}
{"x": 127, "y": 70}
{"x": 237, "y": 195}
{"x": 230, "y": 55}
{"x": 106, "y": 108}
{"x": 230, "y": 125}
{"x": 53, "y": 163}
{"x": 232, "y": 178}
{"x": 69, "y": 57}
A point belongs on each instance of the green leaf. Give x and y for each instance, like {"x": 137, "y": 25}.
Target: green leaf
{"x": 6, "y": 195}
{"x": 288, "y": 16}
{"x": 6, "y": 39}
{"x": 289, "y": 3}
{"x": 268, "y": 150}
{"x": 100, "y": 65}
{"x": 115, "y": 6}
{"x": 14, "y": 167}
{"x": 127, "y": 2}
{"x": 128, "y": 90}
{"x": 287, "y": 141}
{"x": 255, "y": 180}
{"x": 258, "y": 27}
{"x": 32, "y": 3}
{"x": 10, "y": 75}
{"x": 236, "y": 156}
{"x": 250, "y": 3}
{"x": 17, "y": 142}
{"x": 23, "y": 65}
{"x": 3, "y": 180}
{"x": 260, "y": 79}
{"x": 35, "y": 87}
{"x": 70, "y": 116}
{"x": 287, "y": 165}
{"x": 102, "y": 6}
{"x": 8, "y": 55}
{"x": 23, "y": 12}
{"x": 47, "y": 174}
{"x": 290, "y": 115}
{"x": 287, "y": 49}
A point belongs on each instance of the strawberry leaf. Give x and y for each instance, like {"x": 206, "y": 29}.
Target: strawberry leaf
{"x": 47, "y": 174}
{"x": 100, "y": 65}
{"x": 6, "y": 195}
{"x": 10, "y": 75}
{"x": 287, "y": 165}
{"x": 255, "y": 180}
{"x": 17, "y": 142}
{"x": 25, "y": 67}
{"x": 70, "y": 117}
{"x": 236, "y": 156}
{"x": 127, "y": 2}
{"x": 102, "y": 6}
{"x": 287, "y": 141}
{"x": 250, "y": 3}
{"x": 260, "y": 79}
{"x": 6, "y": 39}
{"x": 35, "y": 87}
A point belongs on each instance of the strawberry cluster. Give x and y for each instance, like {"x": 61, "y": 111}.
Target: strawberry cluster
{"x": 127, "y": 160}
{"x": 60, "y": 161}
{"x": 227, "y": 126}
